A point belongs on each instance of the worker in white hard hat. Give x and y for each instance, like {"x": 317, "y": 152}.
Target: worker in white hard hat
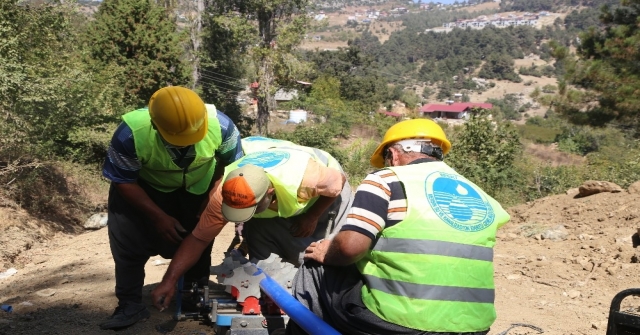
{"x": 162, "y": 162}
{"x": 416, "y": 253}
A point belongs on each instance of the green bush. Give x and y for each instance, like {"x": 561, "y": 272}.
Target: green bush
{"x": 315, "y": 136}
{"x": 549, "y": 88}
{"x": 538, "y": 134}
{"x": 355, "y": 161}
{"x": 485, "y": 152}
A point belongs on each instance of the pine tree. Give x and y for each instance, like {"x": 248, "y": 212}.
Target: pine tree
{"x": 142, "y": 38}
{"x": 608, "y": 66}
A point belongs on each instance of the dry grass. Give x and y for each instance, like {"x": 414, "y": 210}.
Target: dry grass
{"x": 550, "y": 154}
{"x": 377, "y": 29}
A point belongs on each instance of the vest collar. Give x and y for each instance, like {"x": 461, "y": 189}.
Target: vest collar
{"x": 422, "y": 160}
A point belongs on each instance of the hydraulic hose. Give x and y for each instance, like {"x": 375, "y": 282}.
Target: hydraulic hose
{"x": 310, "y": 322}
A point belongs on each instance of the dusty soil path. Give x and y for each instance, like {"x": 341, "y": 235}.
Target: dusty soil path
{"x": 562, "y": 286}
{"x": 78, "y": 270}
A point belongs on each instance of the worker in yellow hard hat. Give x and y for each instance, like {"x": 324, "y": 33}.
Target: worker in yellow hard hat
{"x": 162, "y": 162}
{"x": 416, "y": 253}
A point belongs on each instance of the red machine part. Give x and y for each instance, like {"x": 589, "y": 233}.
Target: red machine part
{"x": 250, "y": 306}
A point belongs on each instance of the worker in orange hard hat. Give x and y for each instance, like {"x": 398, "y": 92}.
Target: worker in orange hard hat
{"x": 416, "y": 253}
{"x": 162, "y": 162}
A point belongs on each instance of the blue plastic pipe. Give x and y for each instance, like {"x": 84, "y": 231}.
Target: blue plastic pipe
{"x": 6, "y": 308}
{"x": 310, "y": 322}
{"x": 179, "y": 298}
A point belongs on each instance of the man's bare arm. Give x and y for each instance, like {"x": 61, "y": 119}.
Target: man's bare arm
{"x": 346, "y": 248}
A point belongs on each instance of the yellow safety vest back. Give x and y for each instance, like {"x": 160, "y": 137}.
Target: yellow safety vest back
{"x": 433, "y": 271}
{"x": 159, "y": 170}
{"x": 253, "y": 144}
{"x": 285, "y": 163}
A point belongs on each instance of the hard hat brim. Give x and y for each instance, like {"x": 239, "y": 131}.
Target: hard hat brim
{"x": 376, "y": 159}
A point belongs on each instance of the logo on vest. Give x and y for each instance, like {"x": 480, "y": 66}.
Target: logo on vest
{"x": 265, "y": 159}
{"x": 457, "y": 203}
{"x": 261, "y": 139}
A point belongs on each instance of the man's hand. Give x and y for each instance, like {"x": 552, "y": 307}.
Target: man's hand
{"x": 317, "y": 251}
{"x": 162, "y": 294}
{"x": 169, "y": 227}
{"x": 303, "y": 225}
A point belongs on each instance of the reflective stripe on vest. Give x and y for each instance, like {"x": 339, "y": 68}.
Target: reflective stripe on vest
{"x": 431, "y": 292}
{"x": 438, "y": 260}
{"x": 159, "y": 170}
{"x": 441, "y": 248}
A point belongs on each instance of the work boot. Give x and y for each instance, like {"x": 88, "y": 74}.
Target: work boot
{"x": 125, "y": 315}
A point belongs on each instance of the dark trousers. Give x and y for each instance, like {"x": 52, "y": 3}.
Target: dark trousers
{"x": 133, "y": 238}
{"x": 334, "y": 294}
{"x": 273, "y": 235}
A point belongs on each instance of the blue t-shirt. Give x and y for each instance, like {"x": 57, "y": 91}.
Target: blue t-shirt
{"x": 122, "y": 165}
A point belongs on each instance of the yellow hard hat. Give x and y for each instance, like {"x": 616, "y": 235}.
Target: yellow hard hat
{"x": 411, "y": 129}
{"x": 179, "y": 115}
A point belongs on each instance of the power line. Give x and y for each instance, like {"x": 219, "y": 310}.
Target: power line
{"x": 221, "y": 81}
{"x": 217, "y": 74}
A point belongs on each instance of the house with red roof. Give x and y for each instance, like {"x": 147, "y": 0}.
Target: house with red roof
{"x": 456, "y": 110}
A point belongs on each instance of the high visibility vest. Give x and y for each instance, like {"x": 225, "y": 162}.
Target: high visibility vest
{"x": 159, "y": 170}
{"x": 285, "y": 163}
{"x": 258, "y": 143}
{"x": 433, "y": 271}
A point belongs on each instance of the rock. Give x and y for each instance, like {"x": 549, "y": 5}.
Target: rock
{"x": 10, "y": 272}
{"x": 557, "y": 233}
{"x": 573, "y": 294}
{"x": 623, "y": 240}
{"x": 513, "y": 277}
{"x": 586, "y": 237}
{"x": 572, "y": 192}
{"x": 587, "y": 266}
{"x": 591, "y": 187}
{"x": 636, "y": 257}
{"x": 634, "y": 188}
{"x": 47, "y": 292}
{"x": 96, "y": 221}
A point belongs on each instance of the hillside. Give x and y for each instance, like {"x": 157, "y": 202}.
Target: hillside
{"x": 564, "y": 286}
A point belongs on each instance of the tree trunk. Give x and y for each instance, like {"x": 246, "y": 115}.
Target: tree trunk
{"x": 195, "y": 29}
{"x": 265, "y": 72}
{"x": 263, "y": 116}
{"x": 265, "y": 100}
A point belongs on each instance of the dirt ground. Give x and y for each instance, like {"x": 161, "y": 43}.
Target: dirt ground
{"x": 64, "y": 283}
